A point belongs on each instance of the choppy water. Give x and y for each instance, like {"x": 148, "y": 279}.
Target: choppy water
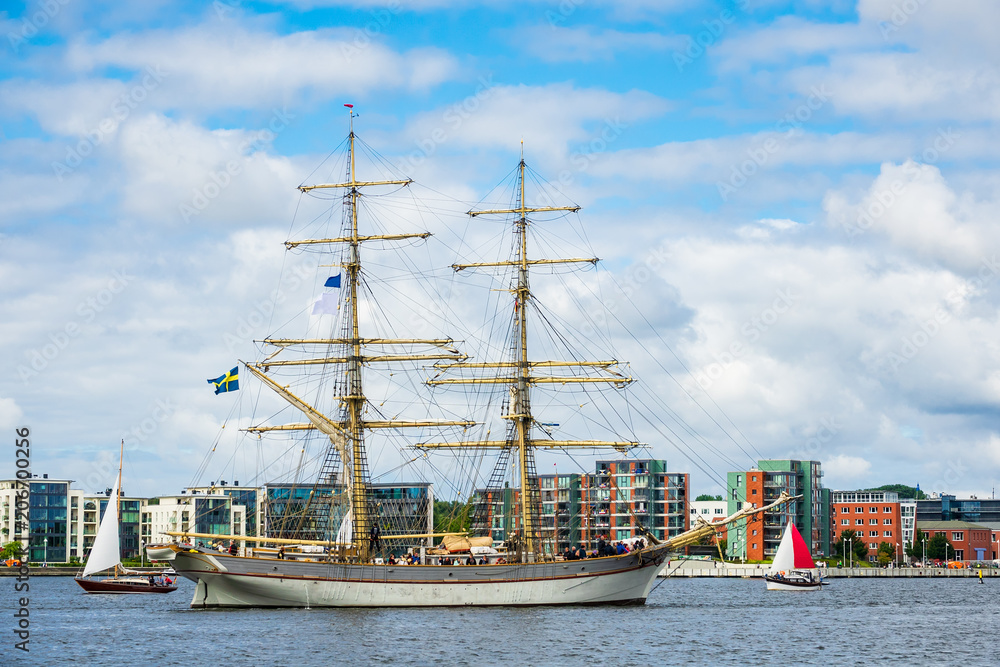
{"x": 685, "y": 621}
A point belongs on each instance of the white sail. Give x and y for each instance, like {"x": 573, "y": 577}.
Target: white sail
{"x": 106, "y": 552}
{"x": 784, "y": 558}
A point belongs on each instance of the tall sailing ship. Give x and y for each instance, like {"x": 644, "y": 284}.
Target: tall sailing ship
{"x": 350, "y": 567}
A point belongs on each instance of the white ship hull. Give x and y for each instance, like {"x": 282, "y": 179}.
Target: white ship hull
{"x": 232, "y": 581}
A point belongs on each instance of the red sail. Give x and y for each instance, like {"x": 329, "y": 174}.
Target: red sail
{"x": 802, "y": 558}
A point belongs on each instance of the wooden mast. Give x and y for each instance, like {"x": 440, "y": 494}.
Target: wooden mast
{"x": 118, "y": 505}
{"x": 348, "y": 435}
{"x": 521, "y": 376}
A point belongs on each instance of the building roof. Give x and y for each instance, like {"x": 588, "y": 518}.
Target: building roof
{"x": 949, "y": 525}
{"x": 992, "y": 525}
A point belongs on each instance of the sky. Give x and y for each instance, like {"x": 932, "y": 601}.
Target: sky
{"x": 791, "y": 200}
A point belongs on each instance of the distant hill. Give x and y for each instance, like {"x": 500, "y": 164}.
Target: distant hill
{"x": 903, "y": 490}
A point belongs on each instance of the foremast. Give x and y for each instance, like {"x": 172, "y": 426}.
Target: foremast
{"x": 520, "y": 372}
{"x": 347, "y": 434}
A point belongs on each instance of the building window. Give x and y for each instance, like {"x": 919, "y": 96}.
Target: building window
{"x": 753, "y": 492}
{"x": 887, "y": 533}
{"x": 872, "y": 545}
{"x": 872, "y": 522}
{"x": 753, "y": 545}
{"x": 872, "y": 510}
{"x": 957, "y": 537}
{"x": 755, "y": 478}
{"x": 859, "y": 522}
{"x": 887, "y": 510}
{"x": 755, "y": 532}
{"x": 718, "y": 510}
{"x": 873, "y": 533}
{"x": 694, "y": 511}
{"x": 739, "y": 480}
{"x": 847, "y": 510}
{"x": 859, "y": 510}
{"x": 887, "y": 522}
{"x": 845, "y": 522}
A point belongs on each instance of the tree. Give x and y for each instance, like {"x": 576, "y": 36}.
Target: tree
{"x": 904, "y": 491}
{"x": 915, "y": 550}
{"x": 857, "y": 545}
{"x": 11, "y": 550}
{"x": 939, "y": 548}
{"x": 452, "y": 516}
{"x": 707, "y": 496}
{"x": 886, "y": 553}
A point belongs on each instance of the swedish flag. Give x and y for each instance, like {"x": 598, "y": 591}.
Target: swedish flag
{"x": 228, "y": 382}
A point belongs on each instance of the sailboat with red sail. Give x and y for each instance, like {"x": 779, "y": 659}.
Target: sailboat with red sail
{"x": 793, "y": 568}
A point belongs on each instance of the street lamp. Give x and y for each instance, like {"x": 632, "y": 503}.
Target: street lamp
{"x": 923, "y": 541}
{"x": 142, "y": 553}
{"x": 850, "y": 550}
{"x": 45, "y": 553}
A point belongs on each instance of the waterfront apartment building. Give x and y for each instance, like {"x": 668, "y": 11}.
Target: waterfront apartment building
{"x": 947, "y": 507}
{"x": 758, "y": 537}
{"x": 129, "y": 522}
{"x": 969, "y": 541}
{"x": 711, "y": 511}
{"x": 192, "y": 511}
{"x": 53, "y": 529}
{"x": 315, "y": 512}
{"x": 875, "y": 516}
{"x": 580, "y": 508}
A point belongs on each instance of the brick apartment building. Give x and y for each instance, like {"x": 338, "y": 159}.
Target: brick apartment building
{"x": 876, "y": 516}
{"x": 758, "y": 538}
{"x": 970, "y": 541}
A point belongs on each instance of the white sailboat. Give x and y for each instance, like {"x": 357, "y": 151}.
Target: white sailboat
{"x": 793, "y": 568}
{"x": 105, "y": 555}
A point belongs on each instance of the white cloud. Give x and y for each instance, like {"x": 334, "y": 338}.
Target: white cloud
{"x": 846, "y": 472}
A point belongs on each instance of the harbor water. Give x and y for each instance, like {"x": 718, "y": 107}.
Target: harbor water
{"x": 695, "y": 621}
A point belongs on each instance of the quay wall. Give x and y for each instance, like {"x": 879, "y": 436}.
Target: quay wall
{"x": 690, "y": 568}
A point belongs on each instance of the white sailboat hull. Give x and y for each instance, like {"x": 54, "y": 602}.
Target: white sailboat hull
{"x": 232, "y": 581}
{"x": 773, "y": 585}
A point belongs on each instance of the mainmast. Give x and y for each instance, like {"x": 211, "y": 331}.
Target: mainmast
{"x": 347, "y": 435}
{"x": 521, "y": 376}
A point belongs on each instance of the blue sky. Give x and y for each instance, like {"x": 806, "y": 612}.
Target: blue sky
{"x": 813, "y": 183}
